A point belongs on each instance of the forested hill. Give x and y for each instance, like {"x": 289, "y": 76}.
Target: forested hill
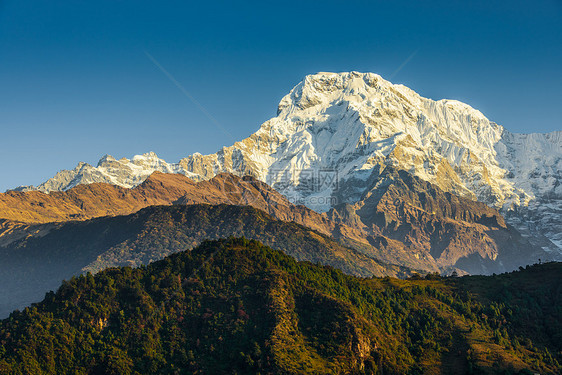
{"x": 236, "y": 306}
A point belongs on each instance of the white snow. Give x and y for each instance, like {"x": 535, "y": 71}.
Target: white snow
{"x": 123, "y": 172}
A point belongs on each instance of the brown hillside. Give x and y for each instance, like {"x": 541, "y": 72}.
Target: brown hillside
{"x": 93, "y": 200}
{"x": 85, "y": 202}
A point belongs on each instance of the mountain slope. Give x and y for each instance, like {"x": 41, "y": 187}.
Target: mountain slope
{"x": 35, "y": 264}
{"x": 437, "y": 229}
{"x": 238, "y": 307}
{"x": 343, "y": 126}
{"x": 87, "y": 201}
{"x": 19, "y": 209}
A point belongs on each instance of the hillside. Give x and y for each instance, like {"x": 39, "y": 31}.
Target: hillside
{"x": 87, "y": 201}
{"x": 235, "y": 306}
{"x": 33, "y": 265}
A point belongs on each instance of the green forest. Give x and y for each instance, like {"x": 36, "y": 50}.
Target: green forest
{"x": 235, "y": 306}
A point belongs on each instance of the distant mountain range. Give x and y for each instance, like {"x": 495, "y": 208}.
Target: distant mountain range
{"x": 335, "y": 132}
{"x": 402, "y": 220}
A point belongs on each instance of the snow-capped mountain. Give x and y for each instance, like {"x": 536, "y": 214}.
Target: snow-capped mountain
{"x": 335, "y": 130}
{"x": 122, "y": 172}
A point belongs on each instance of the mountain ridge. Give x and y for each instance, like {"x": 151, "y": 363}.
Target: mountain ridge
{"x": 435, "y": 226}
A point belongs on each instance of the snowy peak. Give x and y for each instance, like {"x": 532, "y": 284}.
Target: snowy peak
{"x": 326, "y": 88}
{"x": 333, "y": 117}
{"x": 123, "y": 172}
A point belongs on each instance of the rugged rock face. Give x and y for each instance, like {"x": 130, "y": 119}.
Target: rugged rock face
{"x": 337, "y": 128}
{"x": 534, "y": 163}
{"x": 436, "y": 228}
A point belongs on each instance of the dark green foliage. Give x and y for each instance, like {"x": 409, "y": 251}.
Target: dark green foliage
{"x": 236, "y": 306}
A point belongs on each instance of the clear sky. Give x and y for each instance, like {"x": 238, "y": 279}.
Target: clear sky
{"x": 77, "y": 82}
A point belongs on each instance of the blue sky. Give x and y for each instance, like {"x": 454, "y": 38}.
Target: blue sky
{"x": 76, "y": 81}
